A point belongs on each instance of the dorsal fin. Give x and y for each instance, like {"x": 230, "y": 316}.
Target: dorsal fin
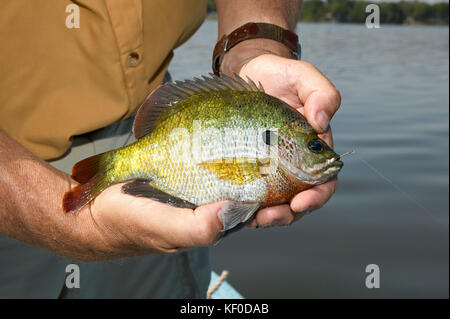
{"x": 169, "y": 94}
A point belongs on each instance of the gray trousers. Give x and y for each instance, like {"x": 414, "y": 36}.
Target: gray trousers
{"x": 30, "y": 272}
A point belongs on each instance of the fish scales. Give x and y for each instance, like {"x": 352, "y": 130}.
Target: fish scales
{"x": 177, "y": 172}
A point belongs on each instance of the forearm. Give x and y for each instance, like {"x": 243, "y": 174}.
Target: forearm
{"x": 235, "y": 13}
{"x": 31, "y": 193}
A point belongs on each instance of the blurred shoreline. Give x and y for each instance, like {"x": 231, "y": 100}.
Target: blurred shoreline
{"x": 213, "y": 16}
{"x": 350, "y": 11}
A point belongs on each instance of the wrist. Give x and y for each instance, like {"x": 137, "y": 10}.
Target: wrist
{"x": 99, "y": 236}
{"x": 249, "y": 41}
{"x": 244, "y": 52}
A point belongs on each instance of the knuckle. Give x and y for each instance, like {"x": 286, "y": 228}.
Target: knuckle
{"x": 335, "y": 97}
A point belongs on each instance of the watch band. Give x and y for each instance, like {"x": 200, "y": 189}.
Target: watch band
{"x": 253, "y": 30}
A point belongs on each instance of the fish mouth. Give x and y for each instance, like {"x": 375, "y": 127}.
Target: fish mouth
{"x": 334, "y": 168}
{"x": 327, "y": 170}
{"x": 317, "y": 174}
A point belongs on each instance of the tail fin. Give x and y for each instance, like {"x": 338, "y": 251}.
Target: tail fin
{"x": 91, "y": 174}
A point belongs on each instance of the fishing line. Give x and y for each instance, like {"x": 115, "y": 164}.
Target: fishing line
{"x": 409, "y": 197}
{"x": 347, "y": 153}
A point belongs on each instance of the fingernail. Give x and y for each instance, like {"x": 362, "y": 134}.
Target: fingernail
{"x": 322, "y": 120}
{"x": 275, "y": 222}
{"x": 305, "y": 211}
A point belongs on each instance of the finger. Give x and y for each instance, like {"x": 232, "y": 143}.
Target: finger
{"x": 314, "y": 198}
{"x": 280, "y": 215}
{"x": 320, "y": 98}
{"x": 327, "y": 136}
{"x": 187, "y": 228}
{"x": 320, "y": 107}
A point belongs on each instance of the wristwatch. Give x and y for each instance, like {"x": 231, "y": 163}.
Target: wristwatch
{"x": 255, "y": 30}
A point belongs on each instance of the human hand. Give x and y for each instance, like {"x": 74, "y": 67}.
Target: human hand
{"x": 129, "y": 225}
{"x": 305, "y": 88}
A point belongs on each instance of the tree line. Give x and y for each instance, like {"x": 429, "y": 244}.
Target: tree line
{"x": 351, "y": 11}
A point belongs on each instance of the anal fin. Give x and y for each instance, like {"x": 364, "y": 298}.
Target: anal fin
{"x": 87, "y": 168}
{"x": 143, "y": 188}
{"x": 83, "y": 194}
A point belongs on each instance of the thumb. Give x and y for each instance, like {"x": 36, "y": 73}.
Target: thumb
{"x": 320, "y": 107}
{"x": 201, "y": 227}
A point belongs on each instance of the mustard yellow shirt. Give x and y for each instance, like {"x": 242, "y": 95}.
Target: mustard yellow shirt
{"x": 59, "y": 78}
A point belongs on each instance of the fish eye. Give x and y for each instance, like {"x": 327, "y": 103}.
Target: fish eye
{"x": 315, "y": 146}
{"x": 269, "y": 137}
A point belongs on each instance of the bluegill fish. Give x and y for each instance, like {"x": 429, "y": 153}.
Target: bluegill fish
{"x": 207, "y": 140}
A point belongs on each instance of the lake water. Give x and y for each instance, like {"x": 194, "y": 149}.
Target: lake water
{"x": 391, "y": 206}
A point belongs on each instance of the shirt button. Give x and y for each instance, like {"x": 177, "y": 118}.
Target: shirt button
{"x": 133, "y": 59}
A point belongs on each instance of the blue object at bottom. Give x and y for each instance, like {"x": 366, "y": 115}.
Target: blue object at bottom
{"x": 225, "y": 290}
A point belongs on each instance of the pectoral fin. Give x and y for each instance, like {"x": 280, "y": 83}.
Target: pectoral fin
{"x": 143, "y": 188}
{"x": 235, "y": 215}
